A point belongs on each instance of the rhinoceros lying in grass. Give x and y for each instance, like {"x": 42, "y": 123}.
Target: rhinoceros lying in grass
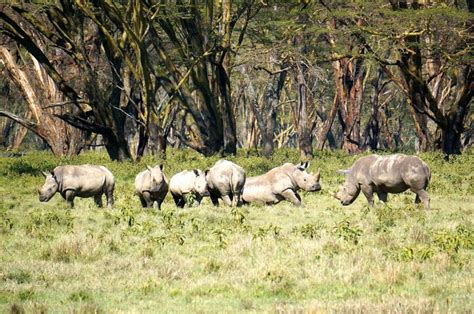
{"x": 151, "y": 186}
{"x": 80, "y": 181}
{"x": 383, "y": 175}
{"x": 225, "y": 180}
{"x": 188, "y": 182}
{"x": 281, "y": 183}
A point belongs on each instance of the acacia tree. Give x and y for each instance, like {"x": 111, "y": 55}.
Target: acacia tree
{"x": 434, "y": 63}
{"x": 39, "y": 91}
{"x": 66, "y": 29}
{"x": 200, "y": 43}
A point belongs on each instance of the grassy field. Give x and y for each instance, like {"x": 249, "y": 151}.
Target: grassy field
{"x": 321, "y": 257}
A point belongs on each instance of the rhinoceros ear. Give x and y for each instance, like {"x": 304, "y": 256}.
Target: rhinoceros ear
{"x": 196, "y": 172}
{"x": 45, "y": 173}
{"x": 344, "y": 171}
{"x": 161, "y": 167}
{"x": 206, "y": 172}
{"x": 149, "y": 168}
{"x": 303, "y": 165}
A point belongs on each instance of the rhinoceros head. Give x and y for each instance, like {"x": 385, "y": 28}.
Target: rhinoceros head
{"x": 200, "y": 183}
{"x": 348, "y": 191}
{"x": 157, "y": 177}
{"x": 306, "y": 181}
{"x": 49, "y": 188}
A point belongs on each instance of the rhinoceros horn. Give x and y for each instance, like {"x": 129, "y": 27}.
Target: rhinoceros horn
{"x": 344, "y": 171}
{"x": 333, "y": 194}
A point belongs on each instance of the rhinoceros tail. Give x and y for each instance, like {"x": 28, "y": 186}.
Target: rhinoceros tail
{"x": 427, "y": 171}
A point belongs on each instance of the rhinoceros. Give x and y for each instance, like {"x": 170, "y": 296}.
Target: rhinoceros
{"x": 188, "y": 182}
{"x": 383, "y": 175}
{"x": 80, "y": 181}
{"x": 225, "y": 180}
{"x": 151, "y": 186}
{"x": 281, "y": 183}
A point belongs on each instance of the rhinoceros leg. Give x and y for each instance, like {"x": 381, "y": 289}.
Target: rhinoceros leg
{"x": 98, "y": 200}
{"x": 214, "y": 200}
{"x": 142, "y": 200}
{"x": 159, "y": 200}
{"x": 69, "y": 197}
{"x": 198, "y": 200}
{"x": 227, "y": 200}
{"x": 292, "y": 197}
{"x": 422, "y": 195}
{"x": 179, "y": 200}
{"x": 237, "y": 200}
{"x": 382, "y": 196}
{"x": 369, "y": 194}
{"x": 146, "y": 200}
{"x": 109, "y": 194}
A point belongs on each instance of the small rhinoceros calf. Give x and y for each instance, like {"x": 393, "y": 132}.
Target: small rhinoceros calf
{"x": 383, "y": 175}
{"x": 80, "y": 181}
{"x": 225, "y": 180}
{"x": 151, "y": 186}
{"x": 188, "y": 182}
{"x": 281, "y": 183}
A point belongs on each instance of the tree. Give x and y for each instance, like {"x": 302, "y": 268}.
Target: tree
{"x": 63, "y": 140}
{"x": 436, "y": 72}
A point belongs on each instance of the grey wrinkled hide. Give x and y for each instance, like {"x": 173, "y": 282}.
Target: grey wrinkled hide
{"x": 225, "y": 180}
{"x": 188, "y": 182}
{"x": 80, "y": 181}
{"x": 151, "y": 186}
{"x": 383, "y": 175}
{"x": 281, "y": 183}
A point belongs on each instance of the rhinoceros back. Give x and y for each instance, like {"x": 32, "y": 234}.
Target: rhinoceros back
{"x": 85, "y": 180}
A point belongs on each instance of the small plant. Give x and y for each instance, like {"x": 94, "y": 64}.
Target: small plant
{"x": 386, "y": 216}
{"x": 40, "y": 223}
{"x": 19, "y": 276}
{"x": 267, "y": 230}
{"x": 80, "y": 296}
{"x": 239, "y": 217}
{"x": 171, "y": 219}
{"x": 220, "y": 236}
{"x": 349, "y": 233}
{"x": 310, "y": 231}
{"x": 451, "y": 241}
{"x": 6, "y": 222}
{"x": 412, "y": 253}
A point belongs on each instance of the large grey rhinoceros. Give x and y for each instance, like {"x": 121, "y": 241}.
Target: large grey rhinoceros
{"x": 151, "y": 186}
{"x": 383, "y": 175}
{"x": 188, "y": 182}
{"x": 81, "y": 181}
{"x": 281, "y": 183}
{"x": 225, "y": 180}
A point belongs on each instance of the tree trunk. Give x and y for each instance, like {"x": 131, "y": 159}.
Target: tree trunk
{"x": 305, "y": 136}
{"x": 20, "y": 134}
{"x": 349, "y": 78}
{"x": 326, "y": 128}
{"x": 271, "y": 100}
{"x": 62, "y": 139}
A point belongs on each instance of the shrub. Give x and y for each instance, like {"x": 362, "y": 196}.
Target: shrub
{"x": 345, "y": 230}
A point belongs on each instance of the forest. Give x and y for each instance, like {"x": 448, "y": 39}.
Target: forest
{"x": 138, "y": 77}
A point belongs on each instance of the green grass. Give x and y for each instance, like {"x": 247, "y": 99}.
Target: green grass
{"x": 322, "y": 257}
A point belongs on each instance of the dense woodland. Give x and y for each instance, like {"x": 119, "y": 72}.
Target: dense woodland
{"x": 215, "y": 75}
